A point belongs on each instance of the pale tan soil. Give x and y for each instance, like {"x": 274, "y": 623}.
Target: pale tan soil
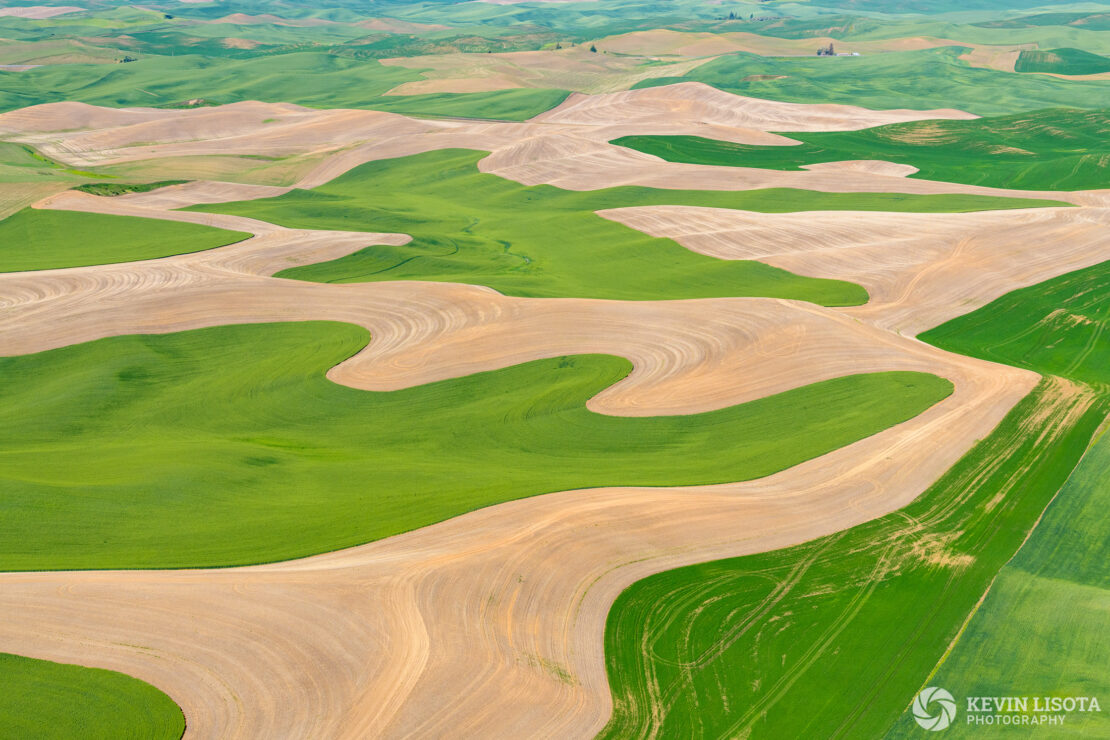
{"x": 698, "y": 101}
{"x": 456, "y": 85}
{"x": 919, "y": 269}
{"x": 15, "y": 196}
{"x": 280, "y": 130}
{"x": 515, "y": 2}
{"x": 567, "y": 146}
{"x": 573, "y": 68}
{"x": 54, "y": 51}
{"x": 492, "y": 621}
{"x": 867, "y": 166}
{"x": 234, "y": 43}
{"x": 1097, "y": 76}
{"x": 666, "y": 42}
{"x": 392, "y": 25}
{"x": 40, "y": 12}
{"x": 575, "y": 162}
{"x": 71, "y": 116}
{"x": 285, "y": 171}
{"x": 244, "y": 19}
{"x": 491, "y": 624}
{"x": 267, "y": 129}
{"x": 1002, "y": 58}
{"x": 195, "y": 193}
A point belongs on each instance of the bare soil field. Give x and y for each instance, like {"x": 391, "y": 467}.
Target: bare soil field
{"x": 567, "y": 146}
{"x": 919, "y": 269}
{"x": 492, "y": 623}
{"x": 16, "y": 196}
{"x": 574, "y": 68}
{"x": 39, "y": 12}
{"x": 667, "y": 43}
{"x": 475, "y": 602}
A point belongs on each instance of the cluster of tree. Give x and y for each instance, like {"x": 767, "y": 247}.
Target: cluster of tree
{"x": 751, "y": 17}
{"x": 826, "y": 51}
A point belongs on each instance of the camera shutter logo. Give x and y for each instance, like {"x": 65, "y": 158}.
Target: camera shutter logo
{"x": 934, "y": 709}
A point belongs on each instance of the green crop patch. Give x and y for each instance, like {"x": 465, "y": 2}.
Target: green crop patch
{"x": 228, "y": 445}
{"x": 853, "y": 625}
{"x": 1057, "y": 327}
{"x": 112, "y": 189}
{"x": 542, "y": 241}
{"x": 310, "y": 78}
{"x": 847, "y": 625}
{"x": 1089, "y": 21}
{"x": 1062, "y": 62}
{"x": 1041, "y": 631}
{"x": 926, "y": 79}
{"x": 1064, "y": 149}
{"x": 21, "y": 163}
{"x": 505, "y": 105}
{"x": 42, "y": 699}
{"x": 44, "y": 239}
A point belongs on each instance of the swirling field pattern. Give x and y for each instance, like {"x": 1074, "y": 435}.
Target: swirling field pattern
{"x": 491, "y": 623}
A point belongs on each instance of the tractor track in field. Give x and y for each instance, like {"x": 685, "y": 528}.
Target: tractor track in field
{"x": 455, "y": 628}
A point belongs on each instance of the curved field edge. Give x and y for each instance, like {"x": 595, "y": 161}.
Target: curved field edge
{"x": 1058, "y": 326}
{"x": 920, "y": 80}
{"x": 48, "y": 700}
{"x": 1040, "y": 630}
{"x": 1060, "y": 149}
{"x": 516, "y": 104}
{"x": 112, "y": 189}
{"x": 44, "y": 240}
{"x": 542, "y": 241}
{"x": 846, "y": 625}
{"x": 296, "y": 465}
{"x": 1053, "y": 327}
{"x": 312, "y": 78}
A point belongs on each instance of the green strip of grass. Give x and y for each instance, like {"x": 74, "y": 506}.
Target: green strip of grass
{"x": 1062, "y": 62}
{"x": 845, "y": 626}
{"x": 55, "y": 701}
{"x": 852, "y": 626}
{"x": 21, "y": 163}
{"x": 1058, "y": 327}
{"x": 1086, "y": 20}
{"x": 44, "y": 240}
{"x": 112, "y": 189}
{"x": 311, "y": 78}
{"x": 925, "y": 79}
{"x": 504, "y": 105}
{"x": 545, "y": 242}
{"x": 1042, "y": 631}
{"x": 228, "y": 445}
{"x": 1048, "y": 150}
